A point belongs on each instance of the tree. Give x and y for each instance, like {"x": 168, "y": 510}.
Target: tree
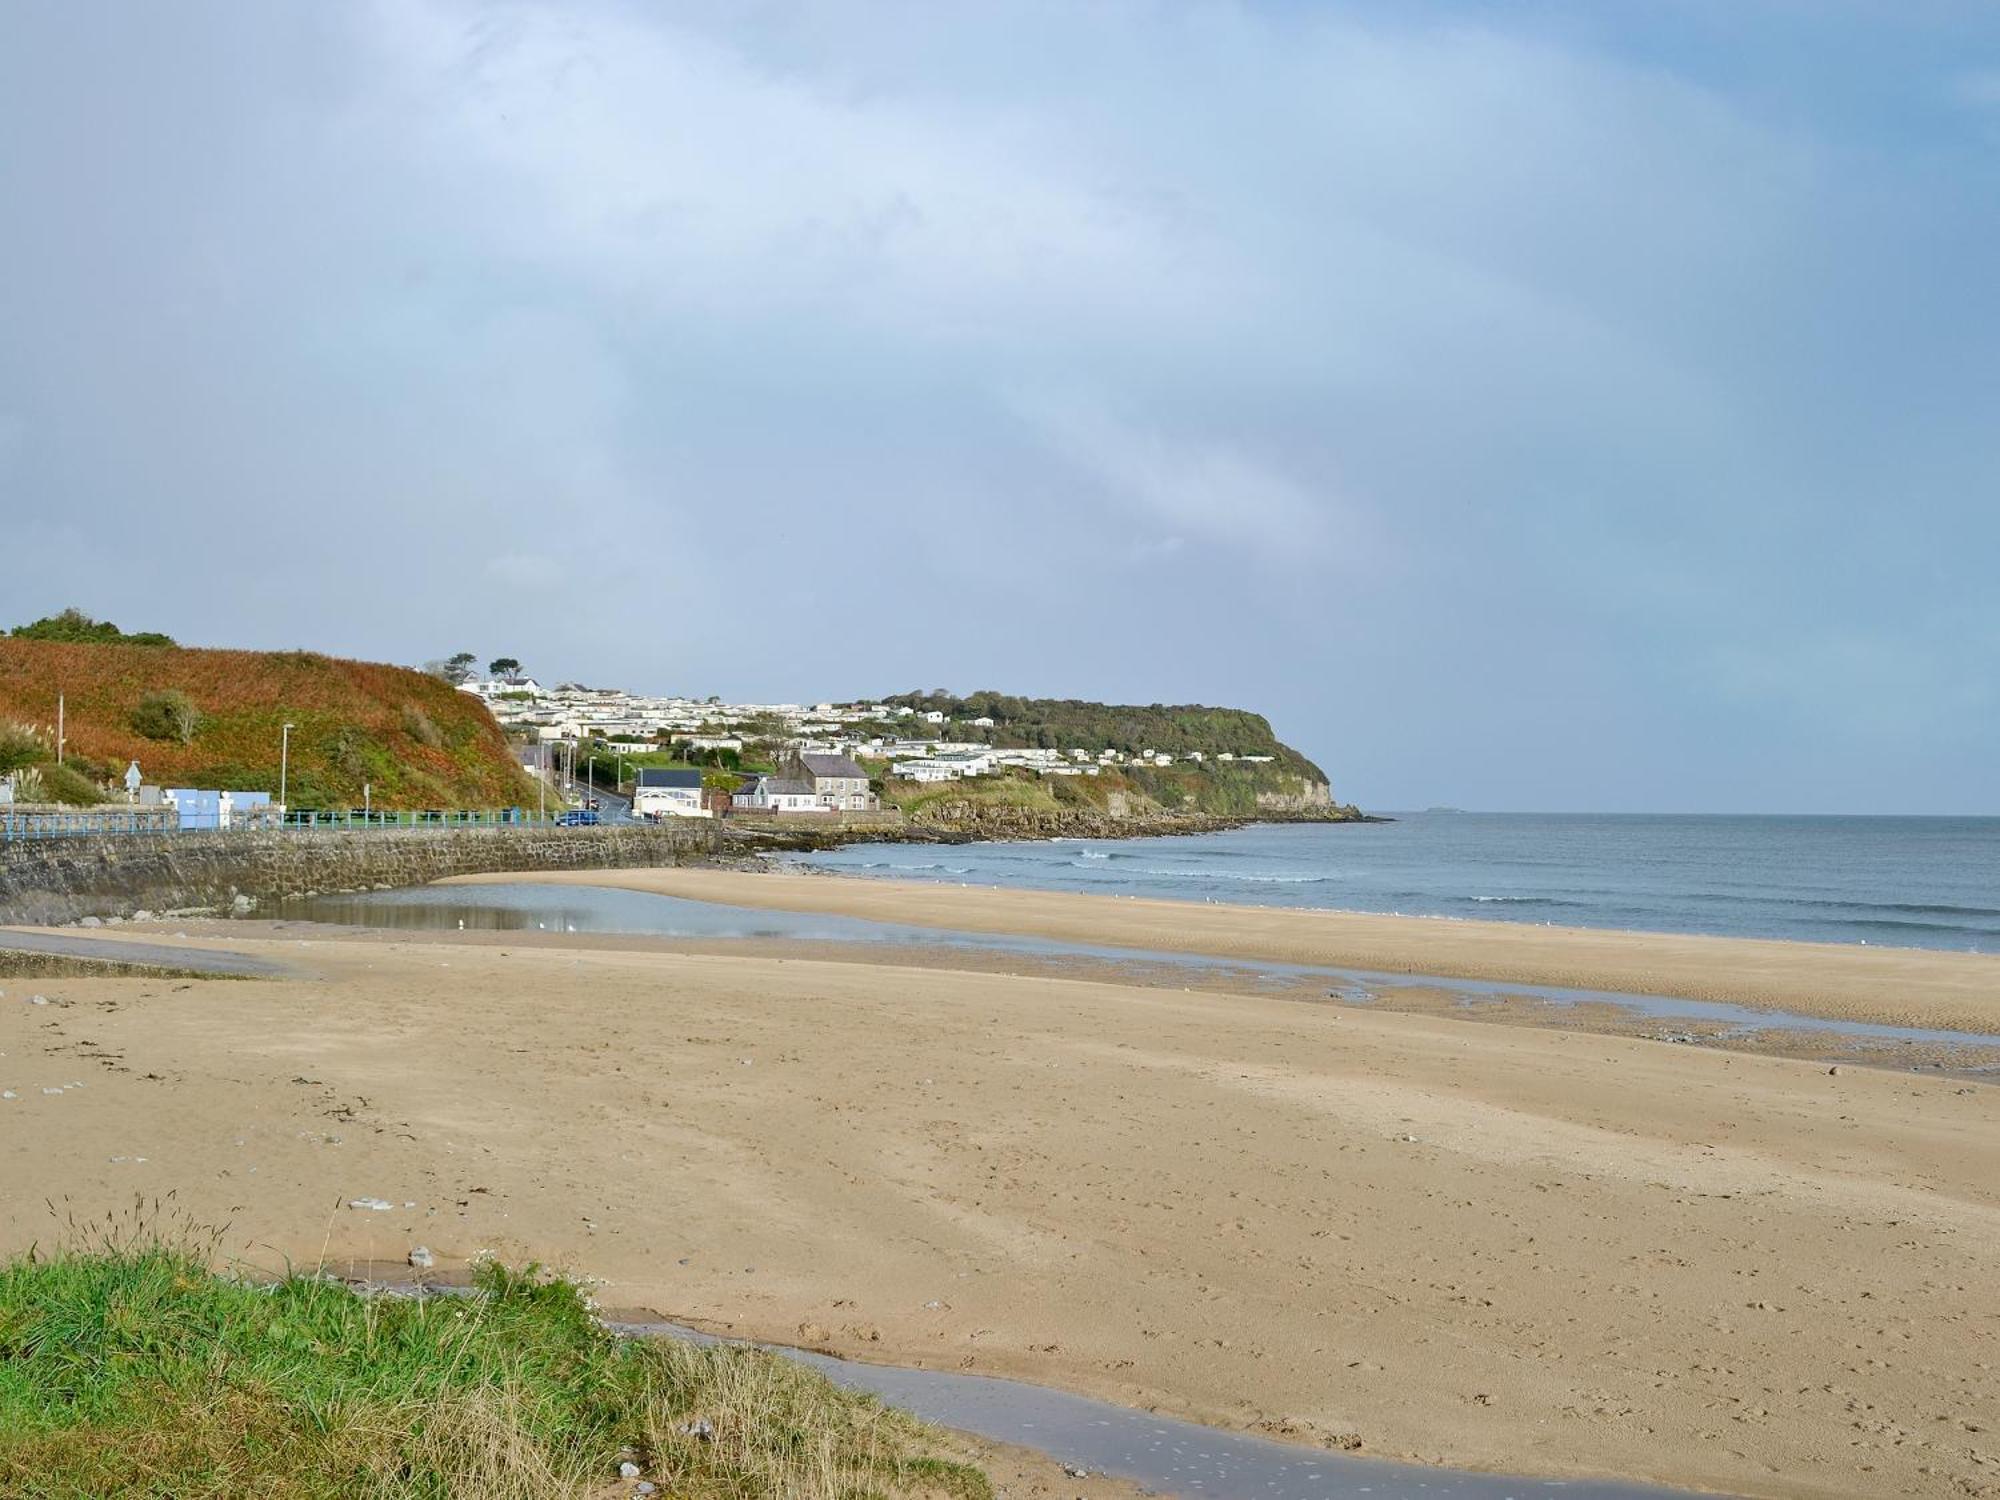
{"x": 167, "y": 715}
{"x": 506, "y": 668}
{"x": 455, "y": 670}
{"x": 74, "y": 626}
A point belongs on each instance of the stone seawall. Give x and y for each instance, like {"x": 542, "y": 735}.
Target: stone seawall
{"x": 51, "y": 881}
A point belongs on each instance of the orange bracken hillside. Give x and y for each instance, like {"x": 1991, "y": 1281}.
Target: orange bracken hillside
{"x": 416, "y": 741}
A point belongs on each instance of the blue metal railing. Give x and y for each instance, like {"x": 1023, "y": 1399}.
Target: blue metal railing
{"x": 131, "y": 821}
{"x": 50, "y": 825}
{"x": 354, "y": 817}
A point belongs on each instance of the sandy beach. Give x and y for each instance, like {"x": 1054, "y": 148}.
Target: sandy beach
{"x": 1494, "y": 1247}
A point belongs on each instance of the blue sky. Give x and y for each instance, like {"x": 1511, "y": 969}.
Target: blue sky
{"x": 1550, "y": 406}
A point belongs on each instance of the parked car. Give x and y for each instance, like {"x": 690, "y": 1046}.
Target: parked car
{"x": 578, "y": 818}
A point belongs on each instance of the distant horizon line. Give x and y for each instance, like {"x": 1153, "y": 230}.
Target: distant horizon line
{"x": 1488, "y": 812}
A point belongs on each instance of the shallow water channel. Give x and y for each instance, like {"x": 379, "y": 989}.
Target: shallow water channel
{"x": 527, "y": 906}
{"x": 1167, "y": 1456}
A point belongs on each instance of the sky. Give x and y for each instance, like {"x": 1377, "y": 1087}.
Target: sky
{"x": 1543, "y": 406}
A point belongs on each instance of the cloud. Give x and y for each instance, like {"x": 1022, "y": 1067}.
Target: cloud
{"x": 1175, "y": 487}
{"x": 677, "y": 170}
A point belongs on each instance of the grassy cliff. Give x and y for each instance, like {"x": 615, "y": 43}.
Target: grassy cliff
{"x": 213, "y": 719}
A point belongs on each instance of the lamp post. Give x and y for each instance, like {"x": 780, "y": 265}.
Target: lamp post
{"x": 284, "y": 769}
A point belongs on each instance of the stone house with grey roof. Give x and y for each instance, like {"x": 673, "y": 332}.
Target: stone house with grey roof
{"x": 839, "y": 784}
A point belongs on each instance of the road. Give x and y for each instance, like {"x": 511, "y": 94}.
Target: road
{"x": 613, "y": 807}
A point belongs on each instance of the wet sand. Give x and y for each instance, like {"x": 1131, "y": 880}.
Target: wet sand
{"x": 1970, "y": 1057}
{"x": 1502, "y": 1247}
{"x": 1896, "y": 986}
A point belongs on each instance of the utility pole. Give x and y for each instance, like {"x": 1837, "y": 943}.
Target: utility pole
{"x": 284, "y": 769}
{"x": 542, "y": 780}
{"x": 59, "y": 728}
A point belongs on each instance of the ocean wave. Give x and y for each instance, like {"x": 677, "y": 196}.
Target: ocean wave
{"x": 1892, "y": 924}
{"x": 1917, "y": 908}
{"x": 1753, "y": 896}
{"x": 1234, "y": 875}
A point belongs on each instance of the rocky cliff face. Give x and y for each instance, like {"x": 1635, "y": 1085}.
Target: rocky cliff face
{"x": 1310, "y": 796}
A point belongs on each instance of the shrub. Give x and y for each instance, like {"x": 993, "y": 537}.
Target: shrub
{"x": 167, "y": 715}
{"x": 21, "y": 745}
{"x": 419, "y": 726}
{"x": 65, "y": 784}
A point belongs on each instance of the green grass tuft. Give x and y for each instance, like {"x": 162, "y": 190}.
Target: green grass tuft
{"x": 129, "y": 1369}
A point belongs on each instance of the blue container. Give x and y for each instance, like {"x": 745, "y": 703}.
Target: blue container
{"x": 198, "y": 809}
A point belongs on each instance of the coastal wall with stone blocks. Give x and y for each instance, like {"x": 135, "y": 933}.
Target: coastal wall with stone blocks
{"x": 52, "y": 881}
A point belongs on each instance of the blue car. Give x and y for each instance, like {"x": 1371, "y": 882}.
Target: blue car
{"x": 579, "y": 818}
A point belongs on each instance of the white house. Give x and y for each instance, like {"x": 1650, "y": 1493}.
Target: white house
{"x": 777, "y": 794}
{"x": 668, "y": 794}
{"x": 925, "y": 770}
{"x": 495, "y": 688}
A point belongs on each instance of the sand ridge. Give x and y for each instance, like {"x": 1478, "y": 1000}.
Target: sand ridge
{"x": 1896, "y": 986}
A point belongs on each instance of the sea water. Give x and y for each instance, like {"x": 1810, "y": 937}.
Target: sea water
{"x": 1910, "y": 882}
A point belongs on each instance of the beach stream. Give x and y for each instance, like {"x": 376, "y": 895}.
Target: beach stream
{"x": 530, "y": 907}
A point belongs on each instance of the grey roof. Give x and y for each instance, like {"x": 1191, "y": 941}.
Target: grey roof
{"x": 832, "y": 765}
{"x": 785, "y": 786}
{"x": 652, "y": 776}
